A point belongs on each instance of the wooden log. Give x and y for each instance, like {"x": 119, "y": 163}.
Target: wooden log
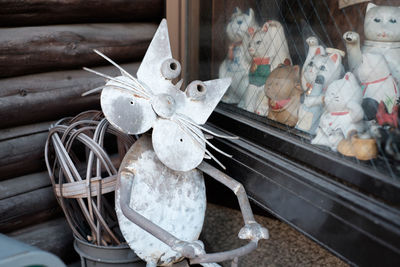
{"x": 24, "y": 184}
{"x": 44, "y": 12}
{"x": 10, "y": 133}
{"x": 22, "y": 155}
{"x": 50, "y": 96}
{"x": 38, "y": 49}
{"x": 53, "y": 236}
{"x": 31, "y": 219}
{"x": 23, "y": 206}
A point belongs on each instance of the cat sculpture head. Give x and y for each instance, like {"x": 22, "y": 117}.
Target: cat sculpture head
{"x": 343, "y": 94}
{"x": 382, "y": 23}
{"x": 324, "y": 67}
{"x": 268, "y": 40}
{"x": 239, "y": 24}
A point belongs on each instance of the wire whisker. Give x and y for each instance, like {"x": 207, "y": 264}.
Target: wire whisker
{"x": 123, "y": 72}
{"x": 130, "y": 87}
{"x": 205, "y": 140}
{"x": 208, "y": 131}
{"x": 92, "y": 91}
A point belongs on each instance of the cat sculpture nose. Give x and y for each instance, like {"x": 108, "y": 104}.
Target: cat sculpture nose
{"x": 239, "y": 22}
{"x": 164, "y": 105}
{"x": 320, "y": 79}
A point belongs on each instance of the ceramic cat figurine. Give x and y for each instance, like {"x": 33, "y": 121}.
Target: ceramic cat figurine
{"x": 283, "y": 91}
{"x": 343, "y": 113}
{"x": 378, "y": 85}
{"x": 268, "y": 48}
{"x": 321, "y": 67}
{"x": 237, "y": 63}
{"x": 382, "y": 36}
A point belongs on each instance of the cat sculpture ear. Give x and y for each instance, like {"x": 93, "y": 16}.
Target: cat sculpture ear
{"x": 237, "y": 11}
{"x": 335, "y": 55}
{"x": 265, "y": 26}
{"x": 296, "y": 68}
{"x": 251, "y": 31}
{"x": 370, "y": 5}
{"x": 250, "y": 12}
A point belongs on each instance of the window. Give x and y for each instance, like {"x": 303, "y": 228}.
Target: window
{"x": 296, "y": 69}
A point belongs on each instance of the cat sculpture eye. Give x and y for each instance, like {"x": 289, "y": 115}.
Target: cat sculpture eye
{"x": 377, "y": 20}
{"x": 392, "y": 20}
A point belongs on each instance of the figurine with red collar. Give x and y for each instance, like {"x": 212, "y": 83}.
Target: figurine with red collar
{"x": 269, "y": 49}
{"x": 283, "y": 91}
{"x": 321, "y": 67}
{"x": 343, "y": 114}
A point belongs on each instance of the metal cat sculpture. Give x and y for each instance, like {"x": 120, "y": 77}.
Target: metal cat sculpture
{"x": 160, "y": 193}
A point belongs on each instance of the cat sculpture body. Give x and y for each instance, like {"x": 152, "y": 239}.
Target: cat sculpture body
{"x": 321, "y": 67}
{"x": 237, "y": 63}
{"x": 343, "y": 113}
{"x": 268, "y": 48}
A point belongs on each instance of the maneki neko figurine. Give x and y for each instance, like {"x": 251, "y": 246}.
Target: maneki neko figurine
{"x": 343, "y": 114}
{"x": 374, "y": 73}
{"x": 237, "y": 63}
{"x": 382, "y": 36}
{"x": 321, "y": 67}
{"x": 269, "y": 49}
{"x": 283, "y": 91}
{"x": 160, "y": 193}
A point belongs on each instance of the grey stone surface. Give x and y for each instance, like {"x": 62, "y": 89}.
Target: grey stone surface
{"x": 285, "y": 247}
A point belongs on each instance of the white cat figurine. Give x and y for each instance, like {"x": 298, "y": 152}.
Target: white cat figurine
{"x": 237, "y": 63}
{"x": 382, "y": 36}
{"x": 321, "y": 67}
{"x": 268, "y": 48}
{"x": 343, "y": 113}
{"x": 378, "y": 85}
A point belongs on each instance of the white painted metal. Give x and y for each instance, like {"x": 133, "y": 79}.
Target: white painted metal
{"x": 175, "y": 147}
{"x": 173, "y": 200}
{"x": 125, "y": 111}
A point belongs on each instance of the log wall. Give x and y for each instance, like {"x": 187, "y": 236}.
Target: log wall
{"x": 43, "y": 46}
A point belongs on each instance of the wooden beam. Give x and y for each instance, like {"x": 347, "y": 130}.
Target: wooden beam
{"x": 28, "y": 50}
{"x": 45, "y": 12}
{"x": 24, "y": 184}
{"x": 22, "y": 155}
{"x": 23, "y": 206}
{"x": 50, "y": 96}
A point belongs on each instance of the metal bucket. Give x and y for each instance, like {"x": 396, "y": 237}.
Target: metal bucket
{"x": 101, "y": 256}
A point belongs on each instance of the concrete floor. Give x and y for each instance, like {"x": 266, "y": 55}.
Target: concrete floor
{"x": 285, "y": 247}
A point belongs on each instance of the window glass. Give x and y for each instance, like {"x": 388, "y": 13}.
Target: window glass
{"x": 327, "y": 72}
